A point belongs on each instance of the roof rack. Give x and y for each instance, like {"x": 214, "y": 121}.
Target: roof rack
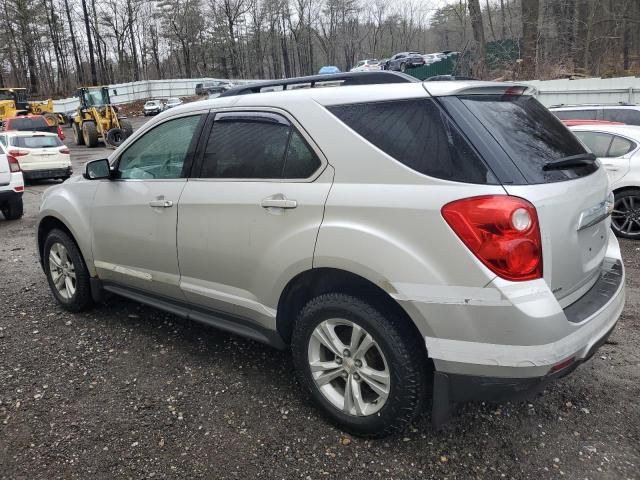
{"x": 317, "y": 81}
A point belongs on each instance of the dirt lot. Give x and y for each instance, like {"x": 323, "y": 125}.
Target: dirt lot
{"x": 130, "y": 392}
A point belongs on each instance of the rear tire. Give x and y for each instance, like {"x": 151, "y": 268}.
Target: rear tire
{"x": 13, "y": 210}
{"x": 371, "y": 391}
{"x": 90, "y": 134}
{"x": 625, "y": 219}
{"x": 73, "y": 294}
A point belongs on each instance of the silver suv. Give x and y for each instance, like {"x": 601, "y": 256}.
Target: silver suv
{"x": 403, "y": 239}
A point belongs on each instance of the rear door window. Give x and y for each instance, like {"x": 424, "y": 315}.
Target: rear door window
{"x": 531, "y": 136}
{"x": 257, "y": 145}
{"x": 419, "y": 135}
{"x": 576, "y": 114}
{"x": 621, "y": 146}
{"x": 624, "y": 115}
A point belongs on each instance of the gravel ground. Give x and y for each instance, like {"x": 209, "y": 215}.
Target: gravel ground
{"x": 126, "y": 391}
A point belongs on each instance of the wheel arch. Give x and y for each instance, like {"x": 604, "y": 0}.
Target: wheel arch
{"x": 50, "y": 222}
{"x": 317, "y": 281}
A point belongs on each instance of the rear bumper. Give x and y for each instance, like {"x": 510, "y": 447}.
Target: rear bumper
{"x": 47, "y": 173}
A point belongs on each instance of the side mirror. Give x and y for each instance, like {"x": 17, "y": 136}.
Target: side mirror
{"x": 97, "y": 169}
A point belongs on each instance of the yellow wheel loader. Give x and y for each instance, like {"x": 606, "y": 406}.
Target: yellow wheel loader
{"x": 13, "y": 102}
{"x": 96, "y": 119}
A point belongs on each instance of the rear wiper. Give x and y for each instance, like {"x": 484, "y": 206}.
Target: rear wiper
{"x": 571, "y": 161}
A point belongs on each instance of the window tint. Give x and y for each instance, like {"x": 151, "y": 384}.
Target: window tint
{"x": 624, "y": 115}
{"x": 620, "y": 146}
{"x": 36, "y": 142}
{"x": 597, "y": 142}
{"x": 249, "y": 145}
{"x": 301, "y": 161}
{"x": 529, "y": 134}
{"x": 417, "y": 134}
{"x": 575, "y": 114}
{"x": 3, "y": 140}
{"x": 161, "y": 152}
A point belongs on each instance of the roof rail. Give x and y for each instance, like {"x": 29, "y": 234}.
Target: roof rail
{"x": 316, "y": 81}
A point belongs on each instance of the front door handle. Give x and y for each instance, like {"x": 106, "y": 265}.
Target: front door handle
{"x": 278, "y": 201}
{"x": 161, "y": 203}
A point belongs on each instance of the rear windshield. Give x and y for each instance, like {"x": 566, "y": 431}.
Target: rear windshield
{"x": 36, "y": 124}
{"x": 529, "y": 134}
{"x": 418, "y": 134}
{"x": 36, "y": 142}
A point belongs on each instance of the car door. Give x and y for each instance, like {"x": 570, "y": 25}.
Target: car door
{"x": 134, "y": 214}
{"x": 249, "y": 218}
{"x": 613, "y": 151}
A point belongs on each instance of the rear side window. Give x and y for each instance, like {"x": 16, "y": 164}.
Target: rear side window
{"x": 621, "y": 146}
{"x": 576, "y": 114}
{"x": 530, "y": 135}
{"x": 36, "y": 142}
{"x": 257, "y": 146}
{"x": 598, "y": 143}
{"x": 624, "y": 115}
{"x": 417, "y": 134}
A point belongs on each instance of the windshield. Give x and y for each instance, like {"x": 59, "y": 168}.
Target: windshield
{"x": 151, "y": 103}
{"x": 94, "y": 98}
{"x": 36, "y": 142}
{"x": 530, "y": 135}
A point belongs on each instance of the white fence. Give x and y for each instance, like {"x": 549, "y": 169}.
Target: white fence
{"x": 550, "y": 92}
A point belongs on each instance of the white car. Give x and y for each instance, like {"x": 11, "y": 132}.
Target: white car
{"x": 11, "y": 186}
{"x": 153, "y": 107}
{"x": 367, "y": 66}
{"x": 618, "y": 149}
{"x": 430, "y": 58}
{"x": 173, "y": 102}
{"x": 624, "y": 113}
{"x": 39, "y": 154}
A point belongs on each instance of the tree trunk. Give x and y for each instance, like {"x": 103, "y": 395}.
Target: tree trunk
{"x": 530, "y": 12}
{"x": 493, "y": 33}
{"x": 74, "y": 44}
{"x": 134, "y": 50}
{"x": 478, "y": 35}
{"x": 92, "y": 60}
{"x": 503, "y": 20}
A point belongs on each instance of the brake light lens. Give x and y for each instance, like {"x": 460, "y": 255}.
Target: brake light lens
{"x": 17, "y": 153}
{"x": 14, "y": 166}
{"x": 65, "y": 150}
{"x": 502, "y": 231}
{"x": 60, "y": 133}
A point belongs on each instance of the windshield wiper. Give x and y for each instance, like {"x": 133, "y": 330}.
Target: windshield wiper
{"x": 571, "y": 161}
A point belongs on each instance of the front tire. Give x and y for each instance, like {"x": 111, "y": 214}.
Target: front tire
{"x": 365, "y": 370}
{"x": 77, "y": 134}
{"x": 625, "y": 219}
{"x": 90, "y": 134}
{"x": 66, "y": 271}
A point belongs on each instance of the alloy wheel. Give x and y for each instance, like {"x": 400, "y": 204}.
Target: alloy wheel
{"x": 62, "y": 271}
{"x": 348, "y": 367}
{"x": 626, "y": 215}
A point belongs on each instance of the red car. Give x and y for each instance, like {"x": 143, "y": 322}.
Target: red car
{"x": 32, "y": 123}
{"x": 580, "y": 122}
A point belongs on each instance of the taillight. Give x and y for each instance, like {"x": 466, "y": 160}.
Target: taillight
{"x": 60, "y": 133}
{"x": 65, "y": 150}
{"x": 14, "y": 166}
{"x": 17, "y": 153}
{"x": 502, "y": 231}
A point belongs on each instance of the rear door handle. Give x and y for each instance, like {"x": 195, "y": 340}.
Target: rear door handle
{"x": 278, "y": 201}
{"x": 161, "y": 203}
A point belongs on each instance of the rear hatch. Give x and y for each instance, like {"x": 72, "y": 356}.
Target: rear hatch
{"x": 40, "y": 152}
{"x": 523, "y": 143}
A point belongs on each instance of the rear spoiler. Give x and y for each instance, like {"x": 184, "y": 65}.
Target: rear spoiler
{"x": 440, "y": 89}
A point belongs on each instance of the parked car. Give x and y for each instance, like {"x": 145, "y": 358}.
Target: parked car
{"x": 575, "y": 123}
{"x": 173, "y": 102}
{"x": 11, "y": 185}
{"x": 363, "y": 229}
{"x": 39, "y": 154}
{"x": 213, "y": 86}
{"x": 32, "y": 123}
{"x": 624, "y": 113}
{"x": 618, "y": 148}
{"x": 430, "y": 58}
{"x": 449, "y": 78}
{"x": 404, "y": 60}
{"x": 328, "y": 69}
{"x": 153, "y": 107}
{"x": 367, "y": 66}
